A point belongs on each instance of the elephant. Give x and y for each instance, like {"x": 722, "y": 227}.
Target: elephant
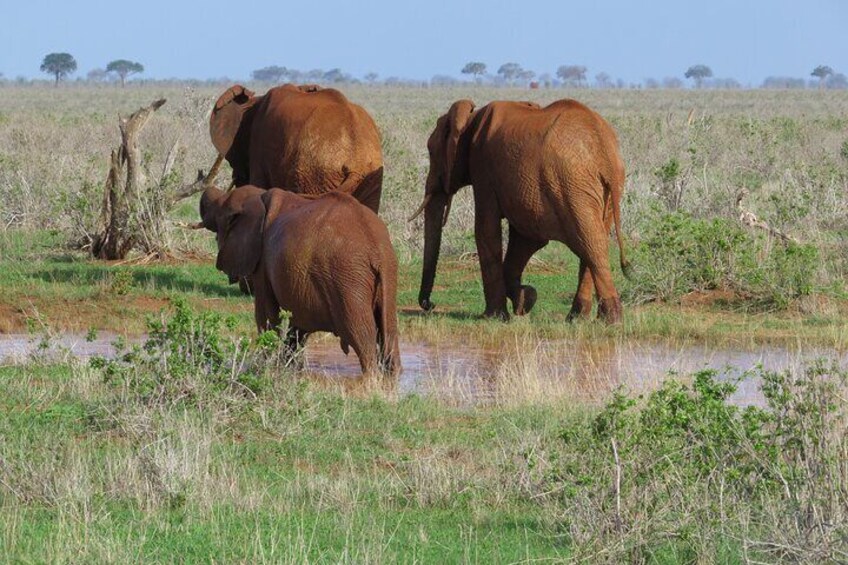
{"x": 554, "y": 173}
{"x": 326, "y": 259}
{"x": 304, "y": 138}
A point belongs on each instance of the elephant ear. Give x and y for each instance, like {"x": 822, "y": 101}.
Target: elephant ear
{"x": 227, "y": 115}
{"x": 458, "y": 116}
{"x": 210, "y": 207}
{"x": 274, "y": 201}
{"x": 240, "y": 239}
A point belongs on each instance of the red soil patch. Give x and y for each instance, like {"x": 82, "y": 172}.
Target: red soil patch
{"x": 715, "y": 297}
{"x": 11, "y": 319}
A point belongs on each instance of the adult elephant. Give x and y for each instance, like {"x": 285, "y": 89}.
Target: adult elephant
{"x": 554, "y": 173}
{"x": 305, "y": 138}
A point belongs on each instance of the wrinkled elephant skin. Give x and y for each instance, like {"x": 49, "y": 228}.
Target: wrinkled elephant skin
{"x": 554, "y": 173}
{"x": 326, "y": 259}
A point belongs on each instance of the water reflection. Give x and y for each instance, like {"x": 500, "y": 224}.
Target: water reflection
{"x": 520, "y": 370}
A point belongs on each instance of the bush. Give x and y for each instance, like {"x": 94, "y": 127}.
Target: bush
{"x": 687, "y": 474}
{"x": 187, "y": 359}
{"x": 680, "y": 253}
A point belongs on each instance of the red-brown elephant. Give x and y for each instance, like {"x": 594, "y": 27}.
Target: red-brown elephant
{"x": 553, "y": 173}
{"x": 305, "y": 138}
{"x": 326, "y": 259}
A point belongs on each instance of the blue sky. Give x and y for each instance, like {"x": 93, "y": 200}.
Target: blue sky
{"x": 631, "y": 40}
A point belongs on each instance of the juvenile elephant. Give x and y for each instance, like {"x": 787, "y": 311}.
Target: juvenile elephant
{"x": 305, "y": 138}
{"x": 552, "y": 172}
{"x": 326, "y": 259}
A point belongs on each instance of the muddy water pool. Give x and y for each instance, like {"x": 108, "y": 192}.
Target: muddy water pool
{"x": 517, "y": 371}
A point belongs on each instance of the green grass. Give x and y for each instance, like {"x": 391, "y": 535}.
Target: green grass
{"x": 325, "y": 478}
{"x": 90, "y": 471}
{"x": 42, "y": 286}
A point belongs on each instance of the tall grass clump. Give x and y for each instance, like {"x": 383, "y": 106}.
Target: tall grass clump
{"x": 682, "y": 474}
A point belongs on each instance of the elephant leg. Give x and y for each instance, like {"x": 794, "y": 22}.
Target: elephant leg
{"x": 354, "y": 323}
{"x": 266, "y": 309}
{"x": 293, "y": 345}
{"x": 363, "y": 340}
{"x": 519, "y": 250}
{"x": 609, "y": 304}
{"x": 582, "y": 305}
{"x": 487, "y": 233}
{"x": 591, "y": 244}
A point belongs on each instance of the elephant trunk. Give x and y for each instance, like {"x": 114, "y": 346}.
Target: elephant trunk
{"x": 434, "y": 215}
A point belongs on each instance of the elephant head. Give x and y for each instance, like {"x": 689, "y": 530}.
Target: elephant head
{"x": 237, "y": 218}
{"x": 229, "y": 127}
{"x": 448, "y": 146}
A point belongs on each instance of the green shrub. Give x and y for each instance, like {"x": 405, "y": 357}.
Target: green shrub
{"x": 679, "y": 253}
{"x": 683, "y": 470}
{"x": 187, "y": 358}
{"x": 120, "y": 282}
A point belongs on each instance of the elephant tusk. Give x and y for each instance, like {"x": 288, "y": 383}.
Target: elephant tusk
{"x": 213, "y": 172}
{"x": 447, "y": 211}
{"x": 421, "y": 208}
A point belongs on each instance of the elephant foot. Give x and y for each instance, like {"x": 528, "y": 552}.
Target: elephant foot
{"x": 524, "y": 300}
{"x": 294, "y": 360}
{"x": 497, "y": 314}
{"x": 609, "y": 310}
{"x": 580, "y": 309}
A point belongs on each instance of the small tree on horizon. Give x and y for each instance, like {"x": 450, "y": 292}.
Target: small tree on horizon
{"x": 476, "y": 69}
{"x": 509, "y": 71}
{"x": 97, "y": 75}
{"x": 603, "y": 80}
{"x": 59, "y": 65}
{"x": 698, "y": 73}
{"x": 335, "y": 75}
{"x": 572, "y": 74}
{"x": 123, "y": 68}
{"x": 371, "y": 77}
{"x": 822, "y": 72}
{"x": 273, "y": 74}
{"x": 526, "y": 75}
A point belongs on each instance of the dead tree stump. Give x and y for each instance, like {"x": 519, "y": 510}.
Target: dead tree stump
{"x": 121, "y": 192}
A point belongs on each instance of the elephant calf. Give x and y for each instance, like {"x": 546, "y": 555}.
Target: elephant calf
{"x": 326, "y": 259}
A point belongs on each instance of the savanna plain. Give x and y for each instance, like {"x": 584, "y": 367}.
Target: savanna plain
{"x": 709, "y": 426}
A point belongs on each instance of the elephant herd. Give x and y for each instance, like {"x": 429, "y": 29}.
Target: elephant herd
{"x": 301, "y": 231}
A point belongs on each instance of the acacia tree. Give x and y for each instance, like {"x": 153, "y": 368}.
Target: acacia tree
{"x": 272, "y": 74}
{"x": 822, "y": 72}
{"x": 335, "y": 75}
{"x": 97, "y": 75}
{"x": 572, "y": 74}
{"x": 603, "y": 80}
{"x": 509, "y": 71}
{"x": 474, "y": 68}
{"x": 371, "y": 77}
{"x": 698, "y": 73}
{"x": 59, "y": 65}
{"x": 124, "y": 68}
{"x": 526, "y": 75}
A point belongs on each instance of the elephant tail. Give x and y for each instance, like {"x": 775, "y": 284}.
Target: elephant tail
{"x": 385, "y": 314}
{"x": 614, "y": 199}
